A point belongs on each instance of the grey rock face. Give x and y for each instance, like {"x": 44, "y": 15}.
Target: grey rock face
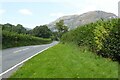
{"x": 73, "y": 21}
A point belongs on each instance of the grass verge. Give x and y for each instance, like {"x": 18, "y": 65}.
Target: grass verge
{"x": 67, "y": 61}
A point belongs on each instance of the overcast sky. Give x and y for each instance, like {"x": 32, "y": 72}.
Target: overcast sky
{"x": 31, "y": 13}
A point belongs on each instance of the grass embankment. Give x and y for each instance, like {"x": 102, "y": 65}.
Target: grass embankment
{"x": 12, "y": 39}
{"x": 67, "y": 61}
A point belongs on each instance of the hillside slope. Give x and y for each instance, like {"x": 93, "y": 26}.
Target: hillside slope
{"x": 72, "y": 21}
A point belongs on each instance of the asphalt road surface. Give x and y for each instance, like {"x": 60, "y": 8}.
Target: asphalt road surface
{"x": 13, "y": 56}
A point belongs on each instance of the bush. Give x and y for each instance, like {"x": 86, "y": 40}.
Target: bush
{"x": 101, "y": 37}
{"x": 12, "y": 39}
{"x": 111, "y": 45}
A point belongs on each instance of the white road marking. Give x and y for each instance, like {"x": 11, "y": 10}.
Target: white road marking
{"x": 25, "y": 49}
{"x": 17, "y": 51}
{"x": 20, "y": 50}
{"x": 36, "y": 46}
{"x": 23, "y": 61}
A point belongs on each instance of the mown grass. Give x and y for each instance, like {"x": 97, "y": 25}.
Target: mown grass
{"x": 67, "y": 61}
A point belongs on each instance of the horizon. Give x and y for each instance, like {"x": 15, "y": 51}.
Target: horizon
{"x": 32, "y": 14}
{"x": 56, "y": 19}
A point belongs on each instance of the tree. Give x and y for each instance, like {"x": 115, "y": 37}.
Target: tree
{"x": 30, "y": 32}
{"x": 12, "y": 28}
{"x": 61, "y": 28}
{"x": 7, "y": 27}
{"x": 55, "y": 36}
{"x": 42, "y": 31}
{"x": 19, "y": 29}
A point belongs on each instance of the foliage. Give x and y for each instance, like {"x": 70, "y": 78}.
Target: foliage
{"x": 55, "y": 36}
{"x": 12, "y": 39}
{"x": 42, "y": 31}
{"x": 61, "y": 28}
{"x": 13, "y": 36}
{"x": 101, "y": 37}
{"x": 12, "y": 28}
{"x": 38, "y": 31}
{"x": 111, "y": 45}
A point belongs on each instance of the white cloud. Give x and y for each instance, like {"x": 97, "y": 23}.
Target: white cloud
{"x": 2, "y": 11}
{"x": 25, "y": 12}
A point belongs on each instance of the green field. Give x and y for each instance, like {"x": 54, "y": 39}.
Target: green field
{"x": 67, "y": 61}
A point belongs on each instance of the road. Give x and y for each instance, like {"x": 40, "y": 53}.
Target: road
{"x": 13, "y": 56}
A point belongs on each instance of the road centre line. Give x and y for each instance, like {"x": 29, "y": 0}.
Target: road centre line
{"x": 20, "y": 50}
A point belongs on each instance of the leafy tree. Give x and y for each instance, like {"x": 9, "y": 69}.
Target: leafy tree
{"x": 7, "y": 27}
{"x": 30, "y": 32}
{"x": 61, "y": 28}
{"x": 12, "y": 28}
{"x": 42, "y": 31}
{"x": 54, "y": 36}
{"x": 20, "y": 29}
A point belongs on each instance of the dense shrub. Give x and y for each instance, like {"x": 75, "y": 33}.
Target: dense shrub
{"x": 12, "y": 39}
{"x": 111, "y": 44}
{"x": 101, "y": 37}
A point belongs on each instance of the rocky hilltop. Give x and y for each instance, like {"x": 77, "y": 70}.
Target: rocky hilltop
{"x": 73, "y": 21}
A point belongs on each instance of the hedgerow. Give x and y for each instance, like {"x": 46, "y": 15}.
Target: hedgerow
{"x": 12, "y": 39}
{"x": 101, "y": 37}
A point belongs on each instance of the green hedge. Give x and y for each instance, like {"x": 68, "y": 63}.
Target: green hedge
{"x": 12, "y": 39}
{"x": 101, "y": 37}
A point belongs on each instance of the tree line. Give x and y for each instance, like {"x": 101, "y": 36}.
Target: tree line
{"x": 39, "y": 31}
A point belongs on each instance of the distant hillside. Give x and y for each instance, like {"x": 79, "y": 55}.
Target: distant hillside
{"x": 72, "y": 21}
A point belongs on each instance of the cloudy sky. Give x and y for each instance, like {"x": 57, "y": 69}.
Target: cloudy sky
{"x": 31, "y": 13}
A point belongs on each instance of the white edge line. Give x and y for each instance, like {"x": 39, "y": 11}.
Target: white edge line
{"x": 24, "y": 60}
